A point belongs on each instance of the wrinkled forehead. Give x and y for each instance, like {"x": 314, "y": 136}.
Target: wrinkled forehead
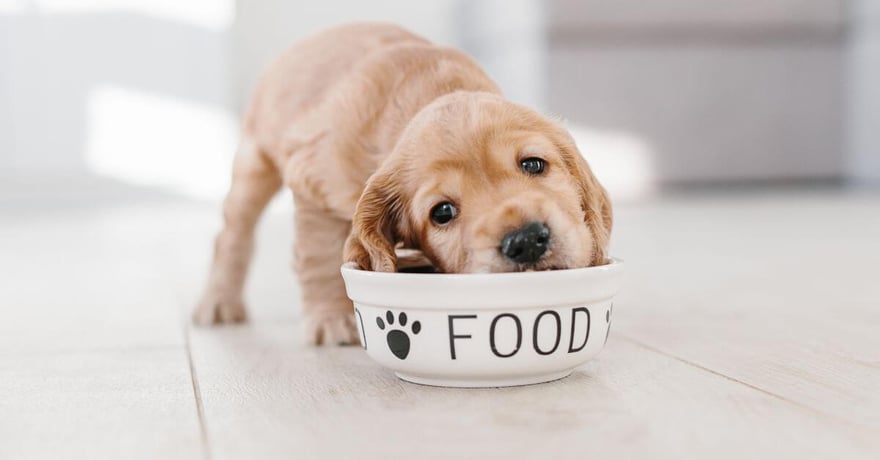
{"x": 481, "y": 137}
{"x": 466, "y": 117}
{"x": 485, "y": 157}
{"x": 472, "y": 141}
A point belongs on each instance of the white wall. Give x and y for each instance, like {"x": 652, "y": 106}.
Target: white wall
{"x": 509, "y": 38}
{"x": 863, "y": 161}
{"x": 149, "y": 92}
{"x": 7, "y": 140}
{"x": 73, "y": 72}
{"x": 264, "y": 28}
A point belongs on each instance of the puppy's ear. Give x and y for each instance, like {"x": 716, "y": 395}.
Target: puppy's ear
{"x": 375, "y": 227}
{"x": 594, "y": 199}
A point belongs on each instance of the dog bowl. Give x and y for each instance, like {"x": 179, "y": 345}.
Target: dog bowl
{"x": 483, "y": 330}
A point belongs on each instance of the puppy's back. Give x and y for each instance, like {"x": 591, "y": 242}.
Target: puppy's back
{"x": 302, "y": 77}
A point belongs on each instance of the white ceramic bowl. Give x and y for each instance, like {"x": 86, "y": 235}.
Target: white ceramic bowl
{"x": 483, "y": 330}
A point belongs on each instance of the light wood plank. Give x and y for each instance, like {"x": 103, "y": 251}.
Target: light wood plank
{"x": 266, "y": 396}
{"x": 88, "y": 279}
{"x": 779, "y": 292}
{"x": 126, "y": 404}
{"x": 93, "y": 362}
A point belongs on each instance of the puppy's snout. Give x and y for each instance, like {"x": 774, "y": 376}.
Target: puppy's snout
{"x": 527, "y": 244}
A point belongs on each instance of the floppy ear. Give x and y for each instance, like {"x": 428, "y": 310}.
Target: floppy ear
{"x": 594, "y": 200}
{"x": 375, "y": 226}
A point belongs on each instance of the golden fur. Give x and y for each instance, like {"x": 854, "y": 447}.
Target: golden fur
{"x": 370, "y": 126}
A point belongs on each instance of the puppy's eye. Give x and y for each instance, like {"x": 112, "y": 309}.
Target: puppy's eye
{"x": 443, "y": 213}
{"x": 532, "y": 166}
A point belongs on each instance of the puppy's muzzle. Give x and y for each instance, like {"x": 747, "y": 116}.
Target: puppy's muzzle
{"x": 526, "y": 244}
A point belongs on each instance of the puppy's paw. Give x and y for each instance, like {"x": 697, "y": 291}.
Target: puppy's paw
{"x": 336, "y": 328}
{"x": 217, "y": 309}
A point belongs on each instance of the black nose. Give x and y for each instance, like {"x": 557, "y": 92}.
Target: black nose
{"x": 527, "y": 244}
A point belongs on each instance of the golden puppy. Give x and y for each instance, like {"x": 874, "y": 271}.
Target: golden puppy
{"x": 389, "y": 141}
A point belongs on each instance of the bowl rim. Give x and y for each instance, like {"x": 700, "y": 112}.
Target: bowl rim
{"x": 483, "y": 291}
{"x": 614, "y": 263}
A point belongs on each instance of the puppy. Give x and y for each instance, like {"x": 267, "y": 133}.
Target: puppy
{"x": 388, "y": 141}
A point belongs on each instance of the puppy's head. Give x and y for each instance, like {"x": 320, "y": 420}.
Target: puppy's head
{"x": 480, "y": 184}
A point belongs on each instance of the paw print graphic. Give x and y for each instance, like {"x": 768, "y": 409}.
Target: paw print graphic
{"x": 397, "y": 338}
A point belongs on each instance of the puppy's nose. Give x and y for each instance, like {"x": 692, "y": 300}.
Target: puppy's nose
{"x": 527, "y": 244}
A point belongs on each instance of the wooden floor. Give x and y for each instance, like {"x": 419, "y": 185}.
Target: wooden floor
{"x": 749, "y": 326}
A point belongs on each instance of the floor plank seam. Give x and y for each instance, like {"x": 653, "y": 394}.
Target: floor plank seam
{"x": 197, "y": 394}
{"x": 812, "y": 410}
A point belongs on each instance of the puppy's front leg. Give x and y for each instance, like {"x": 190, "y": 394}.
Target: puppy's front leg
{"x": 317, "y": 252}
{"x": 255, "y": 180}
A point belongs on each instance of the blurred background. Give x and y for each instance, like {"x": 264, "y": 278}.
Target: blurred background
{"x": 146, "y": 94}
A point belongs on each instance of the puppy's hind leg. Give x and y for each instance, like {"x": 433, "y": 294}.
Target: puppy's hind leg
{"x": 319, "y": 240}
{"x": 254, "y": 181}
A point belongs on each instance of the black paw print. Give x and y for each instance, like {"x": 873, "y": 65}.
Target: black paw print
{"x": 398, "y": 340}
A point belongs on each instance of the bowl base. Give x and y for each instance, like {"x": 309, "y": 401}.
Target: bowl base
{"x": 484, "y": 383}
